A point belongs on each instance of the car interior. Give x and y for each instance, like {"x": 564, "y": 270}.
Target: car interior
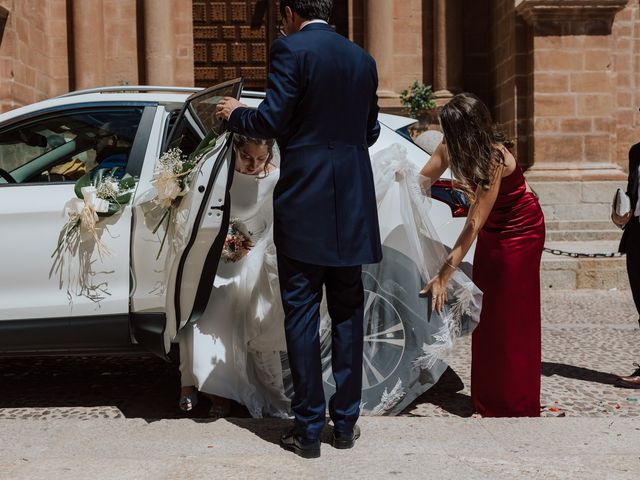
{"x": 63, "y": 147}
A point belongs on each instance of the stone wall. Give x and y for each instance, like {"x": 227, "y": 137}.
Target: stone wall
{"x": 626, "y": 59}
{"x": 511, "y": 61}
{"x": 33, "y": 53}
{"x": 584, "y": 82}
{"x": 120, "y": 42}
{"x": 478, "y": 74}
{"x": 52, "y": 46}
{"x": 407, "y": 43}
{"x": 503, "y": 53}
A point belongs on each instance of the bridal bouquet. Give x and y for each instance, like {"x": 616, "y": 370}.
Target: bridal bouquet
{"x": 237, "y": 244}
{"x": 99, "y": 194}
{"x": 170, "y": 177}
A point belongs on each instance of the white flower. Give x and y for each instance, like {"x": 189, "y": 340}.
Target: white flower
{"x": 168, "y": 190}
{"x": 108, "y": 189}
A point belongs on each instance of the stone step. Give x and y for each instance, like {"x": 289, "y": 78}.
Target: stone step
{"x": 582, "y": 235}
{"x": 580, "y": 225}
{"x": 596, "y": 246}
{"x": 562, "y": 272}
{"x": 575, "y": 200}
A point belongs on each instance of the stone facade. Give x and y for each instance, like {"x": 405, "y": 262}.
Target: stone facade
{"x": 561, "y": 76}
{"x": 50, "y": 47}
{"x": 33, "y": 52}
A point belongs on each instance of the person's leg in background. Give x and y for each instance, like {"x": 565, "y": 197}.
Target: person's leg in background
{"x": 633, "y": 270}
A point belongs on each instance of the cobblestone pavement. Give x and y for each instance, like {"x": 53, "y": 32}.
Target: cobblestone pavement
{"x": 588, "y": 337}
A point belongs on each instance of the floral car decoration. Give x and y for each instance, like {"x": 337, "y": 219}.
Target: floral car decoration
{"x": 100, "y": 193}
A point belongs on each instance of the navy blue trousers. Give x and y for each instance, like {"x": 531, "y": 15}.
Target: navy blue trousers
{"x": 301, "y": 289}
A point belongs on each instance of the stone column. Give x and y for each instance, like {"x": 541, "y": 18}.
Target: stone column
{"x": 159, "y": 42}
{"x": 448, "y": 48}
{"x": 183, "y": 43}
{"x": 574, "y": 89}
{"x": 88, "y": 42}
{"x": 379, "y": 43}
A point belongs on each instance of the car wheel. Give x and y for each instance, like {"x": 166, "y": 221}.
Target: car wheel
{"x": 396, "y": 327}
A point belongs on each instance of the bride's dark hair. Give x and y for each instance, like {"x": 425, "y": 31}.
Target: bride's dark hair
{"x": 473, "y": 142}
{"x": 240, "y": 141}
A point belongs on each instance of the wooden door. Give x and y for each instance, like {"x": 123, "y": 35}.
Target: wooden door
{"x": 225, "y": 46}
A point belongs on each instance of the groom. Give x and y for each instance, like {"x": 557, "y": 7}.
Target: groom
{"x": 321, "y": 105}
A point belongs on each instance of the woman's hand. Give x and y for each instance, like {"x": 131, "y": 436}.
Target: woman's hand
{"x": 438, "y": 288}
{"x": 620, "y": 220}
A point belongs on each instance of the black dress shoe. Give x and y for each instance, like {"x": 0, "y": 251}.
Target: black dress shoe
{"x": 345, "y": 440}
{"x": 293, "y": 441}
{"x": 632, "y": 381}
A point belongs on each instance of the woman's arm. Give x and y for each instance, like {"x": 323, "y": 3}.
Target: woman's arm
{"x": 437, "y": 164}
{"x": 478, "y": 214}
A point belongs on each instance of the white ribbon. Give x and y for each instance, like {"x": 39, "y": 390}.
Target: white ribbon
{"x": 86, "y": 211}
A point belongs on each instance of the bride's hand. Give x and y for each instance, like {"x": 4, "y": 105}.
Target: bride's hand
{"x": 438, "y": 287}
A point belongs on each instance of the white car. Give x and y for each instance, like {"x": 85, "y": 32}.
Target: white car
{"x": 138, "y": 302}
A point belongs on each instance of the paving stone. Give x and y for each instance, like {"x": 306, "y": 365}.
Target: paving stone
{"x": 589, "y": 336}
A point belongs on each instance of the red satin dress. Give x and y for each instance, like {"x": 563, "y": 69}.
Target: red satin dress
{"x": 506, "y": 345}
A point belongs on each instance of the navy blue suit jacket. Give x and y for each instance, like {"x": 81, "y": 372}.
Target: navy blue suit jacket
{"x": 321, "y": 106}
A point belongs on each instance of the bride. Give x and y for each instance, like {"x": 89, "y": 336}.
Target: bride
{"x": 237, "y": 351}
{"x": 234, "y": 351}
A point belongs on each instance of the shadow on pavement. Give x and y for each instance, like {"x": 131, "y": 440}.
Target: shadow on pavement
{"x": 446, "y": 395}
{"x": 268, "y": 429}
{"x": 139, "y": 387}
{"x": 271, "y": 429}
{"x": 148, "y": 388}
{"x": 578, "y": 373}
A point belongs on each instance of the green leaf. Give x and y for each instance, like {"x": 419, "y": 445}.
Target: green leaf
{"x": 127, "y": 182}
{"x": 83, "y": 181}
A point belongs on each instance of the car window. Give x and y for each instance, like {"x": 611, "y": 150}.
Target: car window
{"x": 187, "y": 140}
{"x": 61, "y": 147}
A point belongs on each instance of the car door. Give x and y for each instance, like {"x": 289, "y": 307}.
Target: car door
{"x": 173, "y": 288}
{"x": 57, "y": 301}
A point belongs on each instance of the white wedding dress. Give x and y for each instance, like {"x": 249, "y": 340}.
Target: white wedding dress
{"x": 235, "y": 348}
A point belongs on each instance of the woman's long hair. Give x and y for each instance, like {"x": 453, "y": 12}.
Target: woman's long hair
{"x": 473, "y": 142}
{"x": 240, "y": 141}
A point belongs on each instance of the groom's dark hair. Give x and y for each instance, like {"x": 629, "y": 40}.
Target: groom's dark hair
{"x": 309, "y": 9}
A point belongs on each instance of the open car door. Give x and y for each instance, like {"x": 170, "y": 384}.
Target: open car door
{"x": 195, "y": 240}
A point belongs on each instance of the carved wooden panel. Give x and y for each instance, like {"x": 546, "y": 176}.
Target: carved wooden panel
{"x": 225, "y": 47}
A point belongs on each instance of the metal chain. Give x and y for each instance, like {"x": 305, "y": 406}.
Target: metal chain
{"x": 555, "y": 251}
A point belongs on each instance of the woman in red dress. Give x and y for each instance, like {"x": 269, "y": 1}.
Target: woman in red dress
{"x": 507, "y": 221}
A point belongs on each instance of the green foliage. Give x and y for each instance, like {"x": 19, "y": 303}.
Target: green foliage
{"x": 418, "y": 99}
{"x": 125, "y": 185}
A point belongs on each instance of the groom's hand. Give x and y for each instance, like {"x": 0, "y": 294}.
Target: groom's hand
{"x": 226, "y": 106}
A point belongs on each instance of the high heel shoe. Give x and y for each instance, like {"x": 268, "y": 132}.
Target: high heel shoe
{"x": 188, "y": 402}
